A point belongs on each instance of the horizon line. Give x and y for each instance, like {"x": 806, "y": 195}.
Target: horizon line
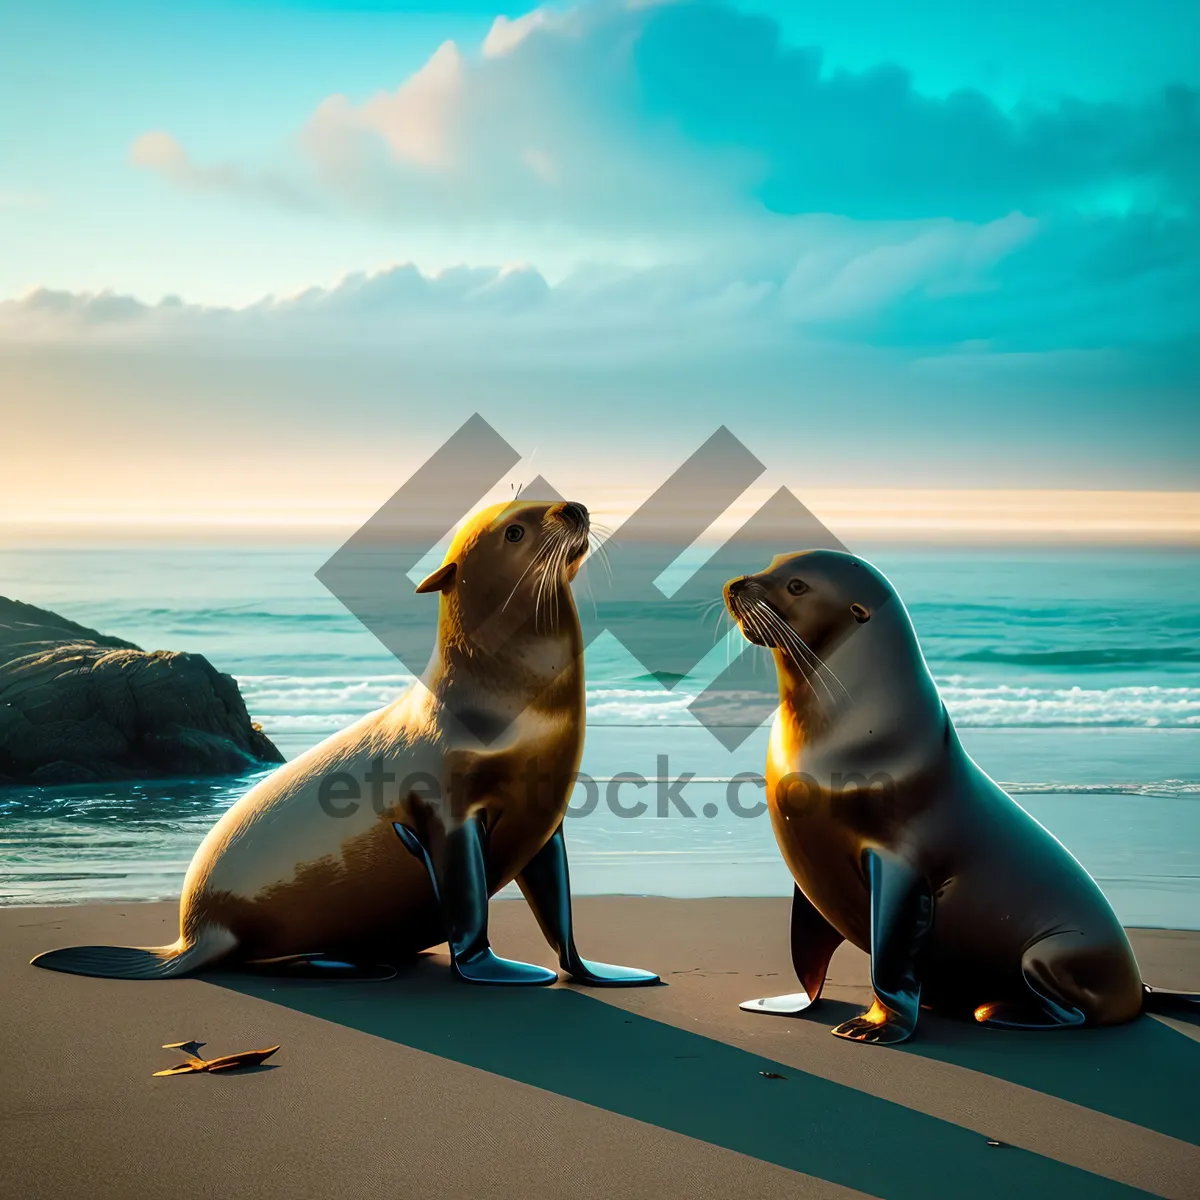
{"x": 892, "y": 515}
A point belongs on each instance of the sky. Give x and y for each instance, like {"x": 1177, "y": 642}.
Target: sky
{"x": 262, "y": 258}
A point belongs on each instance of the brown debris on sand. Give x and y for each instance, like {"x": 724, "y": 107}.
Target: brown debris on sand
{"x": 228, "y": 1062}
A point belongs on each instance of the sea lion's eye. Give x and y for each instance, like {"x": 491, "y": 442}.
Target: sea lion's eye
{"x": 797, "y": 587}
{"x": 514, "y": 533}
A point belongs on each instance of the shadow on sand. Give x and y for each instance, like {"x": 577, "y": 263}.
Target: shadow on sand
{"x": 574, "y": 1045}
{"x": 1143, "y": 1072}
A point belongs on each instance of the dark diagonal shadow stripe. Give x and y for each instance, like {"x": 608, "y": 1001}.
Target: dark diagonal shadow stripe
{"x": 578, "y": 1047}
{"x": 1144, "y": 1072}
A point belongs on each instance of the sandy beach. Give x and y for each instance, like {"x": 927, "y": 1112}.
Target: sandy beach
{"x": 423, "y": 1087}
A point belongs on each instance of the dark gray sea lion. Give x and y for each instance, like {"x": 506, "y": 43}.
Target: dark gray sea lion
{"x": 390, "y": 836}
{"x": 900, "y": 844}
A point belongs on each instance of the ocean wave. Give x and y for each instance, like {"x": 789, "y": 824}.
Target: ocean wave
{"x": 1115, "y": 656}
{"x": 1173, "y": 788}
{"x": 322, "y": 704}
{"x": 1002, "y": 705}
{"x": 1163, "y": 788}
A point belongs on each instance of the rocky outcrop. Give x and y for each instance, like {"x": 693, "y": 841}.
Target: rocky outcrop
{"x": 79, "y": 707}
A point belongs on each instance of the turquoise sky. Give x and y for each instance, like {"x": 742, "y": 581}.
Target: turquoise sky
{"x": 80, "y": 81}
{"x": 977, "y": 218}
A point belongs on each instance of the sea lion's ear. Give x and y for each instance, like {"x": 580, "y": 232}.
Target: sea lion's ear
{"x": 859, "y": 613}
{"x": 440, "y": 580}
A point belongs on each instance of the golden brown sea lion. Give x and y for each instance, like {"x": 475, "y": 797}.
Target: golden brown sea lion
{"x": 899, "y": 843}
{"x": 472, "y": 766}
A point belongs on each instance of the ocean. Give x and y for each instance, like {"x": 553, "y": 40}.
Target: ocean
{"x": 1072, "y": 675}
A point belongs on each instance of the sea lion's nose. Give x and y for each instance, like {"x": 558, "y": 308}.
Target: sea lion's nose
{"x": 576, "y": 513}
{"x": 739, "y": 585}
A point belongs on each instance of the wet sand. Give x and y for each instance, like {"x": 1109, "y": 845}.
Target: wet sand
{"x": 423, "y": 1087}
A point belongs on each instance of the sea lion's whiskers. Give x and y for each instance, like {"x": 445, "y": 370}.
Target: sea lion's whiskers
{"x": 815, "y": 661}
{"x": 554, "y": 573}
{"x": 796, "y": 642}
{"x": 596, "y": 547}
{"x": 748, "y": 618}
{"x": 540, "y": 558}
{"x": 560, "y": 566}
{"x": 608, "y": 537}
{"x": 587, "y": 585}
{"x": 557, "y": 547}
{"x": 587, "y": 575}
{"x": 541, "y": 592}
{"x": 820, "y": 663}
{"x": 717, "y": 606}
{"x": 751, "y": 619}
{"x": 787, "y": 639}
{"x": 793, "y": 645}
{"x": 532, "y": 563}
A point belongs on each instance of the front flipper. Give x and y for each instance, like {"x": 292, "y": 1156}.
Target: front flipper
{"x": 901, "y": 922}
{"x": 813, "y": 942}
{"x": 546, "y": 885}
{"x": 459, "y": 878}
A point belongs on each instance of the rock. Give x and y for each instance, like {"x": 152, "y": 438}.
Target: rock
{"x": 63, "y": 772}
{"x": 77, "y": 706}
{"x": 26, "y": 625}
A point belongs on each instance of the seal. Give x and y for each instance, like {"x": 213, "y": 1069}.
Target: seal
{"x": 900, "y": 844}
{"x": 390, "y": 836}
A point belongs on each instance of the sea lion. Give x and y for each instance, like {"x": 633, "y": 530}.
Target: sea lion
{"x": 390, "y": 836}
{"x": 896, "y": 840}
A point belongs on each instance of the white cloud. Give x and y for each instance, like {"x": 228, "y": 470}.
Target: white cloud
{"x": 1015, "y": 285}
{"x": 650, "y": 119}
{"x": 690, "y": 140}
{"x": 506, "y": 35}
{"x": 723, "y": 185}
{"x": 416, "y": 122}
{"x": 537, "y": 125}
{"x": 836, "y": 281}
{"x": 159, "y": 152}
{"x": 827, "y": 273}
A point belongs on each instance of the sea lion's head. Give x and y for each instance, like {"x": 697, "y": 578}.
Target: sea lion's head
{"x": 806, "y": 601}
{"x": 509, "y": 569}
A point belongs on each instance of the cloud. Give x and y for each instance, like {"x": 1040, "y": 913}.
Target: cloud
{"x": 973, "y": 293}
{"x": 742, "y": 194}
{"x": 824, "y": 272}
{"x": 828, "y": 204}
{"x": 832, "y": 283}
{"x": 507, "y": 34}
{"x": 162, "y": 154}
{"x": 634, "y": 118}
{"x": 416, "y": 123}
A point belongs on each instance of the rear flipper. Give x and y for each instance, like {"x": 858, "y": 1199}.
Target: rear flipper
{"x": 1069, "y": 982}
{"x": 813, "y": 942}
{"x": 1036, "y": 1012}
{"x": 1170, "y": 1003}
{"x": 141, "y": 962}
